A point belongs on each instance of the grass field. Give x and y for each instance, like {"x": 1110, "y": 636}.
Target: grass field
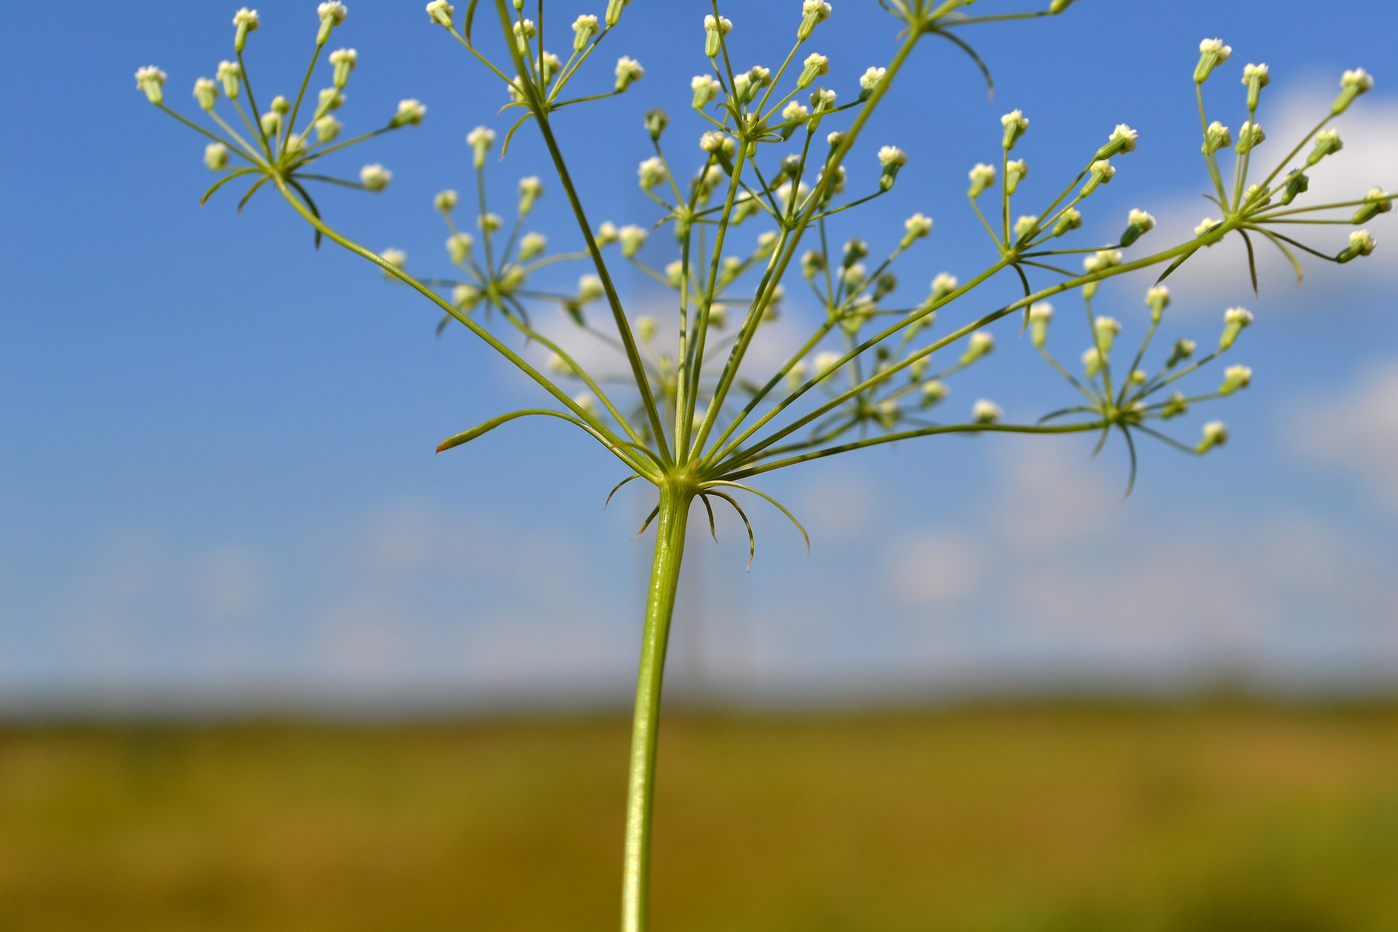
{"x": 1016, "y": 819}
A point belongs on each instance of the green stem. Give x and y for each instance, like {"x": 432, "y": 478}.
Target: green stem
{"x": 640, "y": 776}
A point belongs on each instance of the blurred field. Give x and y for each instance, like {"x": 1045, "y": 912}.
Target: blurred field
{"x": 980, "y": 820}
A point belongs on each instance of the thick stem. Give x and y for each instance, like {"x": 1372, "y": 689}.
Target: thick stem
{"x": 640, "y": 777}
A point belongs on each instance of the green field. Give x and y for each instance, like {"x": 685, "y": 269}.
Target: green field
{"x": 1012, "y": 819}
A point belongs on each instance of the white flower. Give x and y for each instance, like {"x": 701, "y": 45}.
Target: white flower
{"x": 822, "y": 99}
{"x": 943, "y": 285}
{"x": 1212, "y": 52}
{"x": 229, "y": 72}
{"x": 1157, "y": 299}
{"x": 1106, "y": 330}
{"x": 1205, "y": 225}
{"x": 1359, "y": 79}
{"x": 1327, "y": 142}
{"x": 722, "y": 22}
{"x": 1015, "y": 124}
{"x": 1255, "y": 77}
{"x": 1234, "y": 320}
{"x": 1070, "y": 219}
{"x": 918, "y": 226}
{"x": 1014, "y": 174}
{"x": 628, "y": 70}
{"x": 375, "y": 177}
{"x": 459, "y": 246}
{"x": 826, "y": 363}
{"x": 1103, "y": 169}
{"x": 441, "y": 12}
{"x": 1125, "y": 138}
{"x": 986, "y": 412}
{"x": 583, "y": 28}
{"x": 344, "y": 61}
{"x": 871, "y": 77}
{"x": 530, "y": 245}
{"x": 246, "y": 18}
{"x": 589, "y": 288}
{"x": 1092, "y": 362}
{"x": 587, "y": 403}
{"x": 327, "y": 128}
{"x": 1363, "y": 241}
{"x": 489, "y": 222}
{"x": 466, "y": 297}
{"x": 815, "y": 66}
{"x": 1141, "y": 219}
{"x": 1102, "y": 260}
{"x": 215, "y": 156}
{"x": 395, "y": 257}
{"x": 980, "y": 344}
{"x": 332, "y": 10}
{"x": 982, "y": 177}
{"x": 606, "y": 233}
{"x": 410, "y": 113}
{"x": 1215, "y": 435}
{"x": 933, "y": 391}
{"x": 714, "y": 30}
{"x": 1041, "y": 312}
{"x": 480, "y": 140}
{"x": 1025, "y": 225}
{"x": 652, "y": 172}
{"x": 1250, "y": 135}
{"x": 892, "y": 155}
{"x": 330, "y": 99}
{"x": 632, "y": 239}
{"x": 716, "y": 141}
{"x": 1234, "y": 378}
{"x": 151, "y": 80}
{"x": 794, "y": 112}
{"x": 854, "y": 275}
{"x": 706, "y": 88}
{"x": 206, "y": 92}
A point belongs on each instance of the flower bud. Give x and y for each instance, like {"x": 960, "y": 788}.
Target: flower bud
{"x": 396, "y": 258}
{"x": 1176, "y": 406}
{"x": 1296, "y": 183}
{"x": 887, "y": 413}
{"x": 1157, "y": 299}
{"x": 632, "y": 239}
{"x": 870, "y": 80}
{"x": 1215, "y": 435}
{"x": 1234, "y": 320}
{"x": 1234, "y": 378}
{"x": 1101, "y": 172}
{"x": 330, "y": 99}
{"x": 1106, "y": 329}
{"x": 1256, "y": 77}
{"x": 815, "y": 66}
{"x": 480, "y": 140}
{"x": 614, "y": 11}
{"x": 1360, "y": 244}
{"x": 524, "y": 31}
{"x": 853, "y": 275}
{"x": 1138, "y": 223}
{"x": 982, "y": 177}
{"x": 1206, "y": 225}
{"x": 1250, "y": 136}
{"x": 489, "y": 223}
{"x": 628, "y": 71}
{"x": 916, "y": 227}
{"x": 812, "y": 12}
{"x": 1377, "y": 202}
{"x": 1216, "y": 137}
{"x": 466, "y": 297}
{"x": 744, "y": 206}
{"x": 943, "y": 285}
{"x": 459, "y": 247}
{"x": 230, "y": 74}
{"x": 933, "y": 392}
{"x": 1014, "y": 174}
{"x": 589, "y": 288}
{"x": 1327, "y": 141}
{"x": 1122, "y": 139}
{"x": 206, "y": 92}
{"x": 656, "y": 121}
{"x": 151, "y": 80}
{"x": 1101, "y": 260}
{"x": 331, "y": 15}
{"x": 1092, "y": 362}
{"x": 1352, "y": 84}
{"x": 706, "y": 88}
{"x": 375, "y": 177}
{"x": 1182, "y": 350}
{"x": 1058, "y": 6}
{"x": 715, "y": 141}
{"x": 244, "y": 21}
{"x": 1212, "y": 52}
{"x": 812, "y": 264}
{"x": 1039, "y": 317}
{"x": 891, "y": 158}
{"x": 585, "y": 401}
{"x": 797, "y": 374}
{"x": 215, "y": 156}
{"x": 271, "y": 124}
{"x": 714, "y": 30}
{"x": 980, "y": 344}
{"x": 826, "y": 364}
{"x": 1256, "y": 197}
{"x": 1015, "y": 124}
{"x": 855, "y": 249}
{"x": 584, "y": 28}
{"x": 441, "y": 12}
{"x": 1025, "y": 226}
{"x": 344, "y": 61}
{"x": 327, "y": 128}
{"x": 530, "y": 190}
{"x": 607, "y": 233}
{"x": 410, "y": 113}
{"x": 986, "y": 412}
{"x": 1070, "y": 219}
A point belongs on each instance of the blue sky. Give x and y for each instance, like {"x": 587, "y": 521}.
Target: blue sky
{"x": 217, "y": 484}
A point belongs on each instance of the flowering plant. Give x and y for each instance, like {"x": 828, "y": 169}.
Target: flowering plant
{"x": 691, "y": 418}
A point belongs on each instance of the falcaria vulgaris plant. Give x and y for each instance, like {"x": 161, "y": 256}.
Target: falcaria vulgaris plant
{"x": 691, "y": 417}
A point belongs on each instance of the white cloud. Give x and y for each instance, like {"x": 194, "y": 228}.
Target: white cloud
{"x": 1356, "y": 432}
{"x": 937, "y": 568}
